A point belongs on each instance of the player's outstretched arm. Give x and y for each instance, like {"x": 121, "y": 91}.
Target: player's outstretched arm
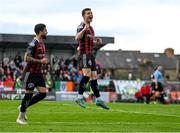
{"x": 29, "y": 58}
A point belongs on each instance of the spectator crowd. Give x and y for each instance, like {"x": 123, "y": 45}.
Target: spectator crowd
{"x": 63, "y": 69}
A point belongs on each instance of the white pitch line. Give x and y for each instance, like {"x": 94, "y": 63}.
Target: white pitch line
{"x": 146, "y": 113}
{"x": 133, "y": 112}
{"x": 45, "y": 113}
{"x": 96, "y": 123}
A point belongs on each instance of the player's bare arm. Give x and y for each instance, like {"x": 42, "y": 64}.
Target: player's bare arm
{"x": 80, "y": 34}
{"x": 29, "y": 58}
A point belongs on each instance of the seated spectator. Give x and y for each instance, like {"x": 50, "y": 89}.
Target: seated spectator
{"x": 5, "y": 61}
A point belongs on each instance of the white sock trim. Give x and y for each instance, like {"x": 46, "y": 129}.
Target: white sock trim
{"x": 99, "y": 98}
{"x": 80, "y": 96}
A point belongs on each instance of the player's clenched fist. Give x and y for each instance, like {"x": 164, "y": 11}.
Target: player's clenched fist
{"x": 86, "y": 27}
{"x": 44, "y": 61}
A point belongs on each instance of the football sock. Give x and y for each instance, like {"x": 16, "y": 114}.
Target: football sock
{"x": 82, "y": 85}
{"x": 99, "y": 98}
{"x": 94, "y": 87}
{"x": 25, "y": 101}
{"x": 38, "y": 97}
{"x": 80, "y": 96}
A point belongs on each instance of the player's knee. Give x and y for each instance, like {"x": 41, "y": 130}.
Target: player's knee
{"x": 94, "y": 76}
{"x": 88, "y": 74}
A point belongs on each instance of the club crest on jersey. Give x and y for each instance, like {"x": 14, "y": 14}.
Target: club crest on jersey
{"x": 30, "y": 85}
{"x": 89, "y": 36}
{"x": 90, "y": 62}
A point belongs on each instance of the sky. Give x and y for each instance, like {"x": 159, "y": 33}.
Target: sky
{"x": 145, "y": 25}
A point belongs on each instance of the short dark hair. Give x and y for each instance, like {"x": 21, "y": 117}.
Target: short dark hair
{"x": 39, "y": 27}
{"x": 84, "y": 10}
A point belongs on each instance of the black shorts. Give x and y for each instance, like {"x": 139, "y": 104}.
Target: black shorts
{"x": 160, "y": 87}
{"x": 32, "y": 80}
{"x": 87, "y": 61}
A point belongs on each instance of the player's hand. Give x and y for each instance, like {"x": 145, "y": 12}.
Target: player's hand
{"x": 86, "y": 27}
{"x": 98, "y": 41}
{"x": 44, "y": 60}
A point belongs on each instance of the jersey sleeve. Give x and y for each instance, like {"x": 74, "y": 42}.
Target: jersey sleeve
{"x": 80, "y": 27}
{"x": 30, "y": 48}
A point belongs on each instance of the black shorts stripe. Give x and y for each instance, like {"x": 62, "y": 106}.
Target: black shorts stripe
{"x": 84, "y": 61}
{"x": 25, "y": 80}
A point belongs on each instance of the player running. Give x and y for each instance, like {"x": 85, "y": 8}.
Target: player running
{"x": 32, "y": 74}
{"x": 157, "y": 85}
{"x": 85, "y": 40}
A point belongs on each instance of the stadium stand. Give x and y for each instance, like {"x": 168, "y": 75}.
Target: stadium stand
{"x": 112, "y": 65}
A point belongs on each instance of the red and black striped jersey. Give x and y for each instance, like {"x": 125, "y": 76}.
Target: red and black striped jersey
{"x": 86, "y": 42}
{"x": 35, "y": 49}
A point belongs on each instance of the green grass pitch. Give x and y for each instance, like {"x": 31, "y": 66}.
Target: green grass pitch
{"x": 54, "y": 116}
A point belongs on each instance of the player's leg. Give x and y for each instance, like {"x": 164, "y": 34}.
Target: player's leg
{"x": 22, "y": 108}
{"x": 29, "y": 86}
{"x": 84, "y": 66}
{"x": 84, "y": 81}
{"x": 94, "y": 85}
{"x": 152, "y": 96}
{"x": 26, "y": 100}
{"x": 82, "y": 86}
{"x": 94, "y": 77}
{"x": 157, "y": 96}
{"x": 161, "y": 93}
{"x": 38, "y": 97}
{"x": 41, "y": 87}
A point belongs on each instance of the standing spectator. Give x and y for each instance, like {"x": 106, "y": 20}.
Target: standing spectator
{"x": 66, "y": 76}
{"x": 1, "y": 67}
{"x": 55, "y": 60}
{"x": 3, "y": 77}
{"x": 107, "y": 75}
{"x": 18, "y": 60}
{"x": 18, "y": 84}
{"x": 48, "y": 81}
{"x": 13, "y": 69}
{"x": 5, "y": 61}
